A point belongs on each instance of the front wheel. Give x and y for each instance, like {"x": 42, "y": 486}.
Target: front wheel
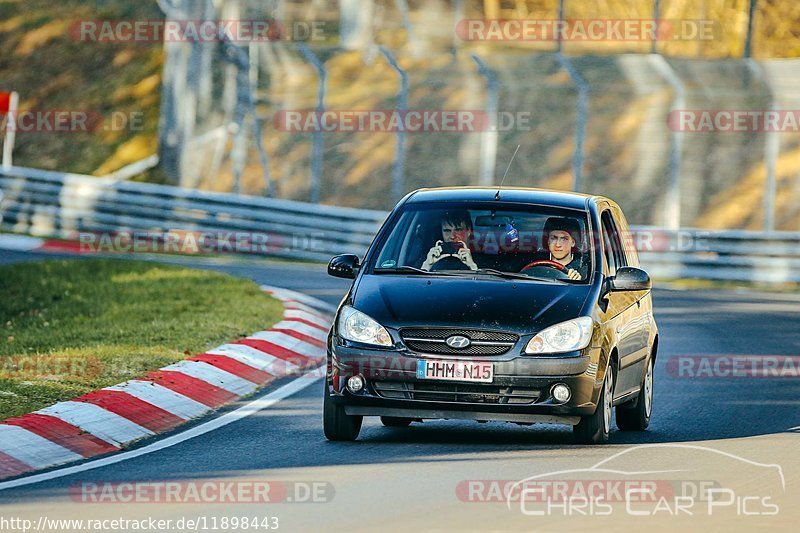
{"x": 338, "y": 425}
{"x": 637, "y": 418}
{"x": 594, "y": 429}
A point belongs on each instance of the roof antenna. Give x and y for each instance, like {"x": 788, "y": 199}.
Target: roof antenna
{"x": 497, "y": 195}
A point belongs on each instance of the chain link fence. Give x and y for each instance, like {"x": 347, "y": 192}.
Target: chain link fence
{"x": 596, "y": 115}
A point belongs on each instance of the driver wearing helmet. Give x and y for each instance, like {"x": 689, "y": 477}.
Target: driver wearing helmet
{"x": 456, "y": 233}
{"x": 561, "y": 236}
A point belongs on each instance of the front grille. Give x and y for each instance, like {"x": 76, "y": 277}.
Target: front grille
{"x": 483, "y": 342}
{"x": 456, "y": 392}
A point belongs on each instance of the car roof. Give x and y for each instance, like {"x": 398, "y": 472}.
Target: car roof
{"x": 522, "y": 195}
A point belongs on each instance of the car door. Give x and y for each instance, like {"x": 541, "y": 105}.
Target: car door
{"x": 622, "y": 309}
{"x": 644, "y": 308}
{"x": 633, "y": 328}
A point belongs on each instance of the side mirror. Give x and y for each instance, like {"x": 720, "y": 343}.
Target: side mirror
{"x": 344, "y": 266}
{"x": 630, "y": 279}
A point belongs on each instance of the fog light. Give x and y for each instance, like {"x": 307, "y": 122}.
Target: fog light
{"x": 561, "y": 393}
{"x": 355, "y": 383}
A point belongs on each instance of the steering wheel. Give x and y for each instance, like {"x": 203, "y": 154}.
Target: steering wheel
{"x": 546, "y": 262}
{"x": 450, "y": 262}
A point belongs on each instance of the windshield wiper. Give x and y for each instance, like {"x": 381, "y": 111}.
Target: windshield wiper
{"x": 513, "y": 275}
{"x": 407, "y": 269}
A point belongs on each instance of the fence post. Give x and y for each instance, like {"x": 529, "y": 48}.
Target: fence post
{"x": 771, "y": 151}
{"x": 748, "y": 43}
{"x": 398, "y": 172}
{"x": 489, "y": 142}
{"x": 458, "y": 12}
{"x": 171, "y": 135}
{"x": 580, "y": 124}
{"x": 318, "y": 144}
{"x": 245, "y": 103}
{"x": 402, "y": 6}
{"x": 672, "y": 212}
{"x": 656, "y": 15}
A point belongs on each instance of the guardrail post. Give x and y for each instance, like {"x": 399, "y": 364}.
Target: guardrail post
{"x": 319, "y": 143}
{"x": 489, "y": 142}
{"x": 580, "y": 124}
{"x": 398, "y": 171}
{"x": 672, "y": 212}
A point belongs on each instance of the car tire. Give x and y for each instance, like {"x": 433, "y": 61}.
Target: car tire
{"x": 637, "y": 417}
{"x": 594, "y": 429}
{"x": 338, "y": 425}
{"x": 395, "y": 422}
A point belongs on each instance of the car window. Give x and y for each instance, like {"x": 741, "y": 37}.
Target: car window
{"x": 498, "y": 236}
{"x": 612, "y": 246}
{"x": 608, "y": 253}
{"x": 626, "y": 237}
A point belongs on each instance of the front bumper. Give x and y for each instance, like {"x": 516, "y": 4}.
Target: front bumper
{"x": 519, "y": 392}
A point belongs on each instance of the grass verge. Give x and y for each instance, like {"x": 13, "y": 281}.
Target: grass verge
{"x": 70, "y": 327}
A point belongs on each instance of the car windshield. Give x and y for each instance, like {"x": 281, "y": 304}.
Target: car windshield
{"x": 502, "y": 240}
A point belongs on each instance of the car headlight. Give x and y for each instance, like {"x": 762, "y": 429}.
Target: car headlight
{"x": 358, "y": 327}
{"x": 564, "y": 337}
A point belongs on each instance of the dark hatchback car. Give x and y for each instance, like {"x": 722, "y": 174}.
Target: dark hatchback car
{"x": 522, "y": 305}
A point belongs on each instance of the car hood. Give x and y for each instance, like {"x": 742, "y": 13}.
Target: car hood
{"x": 398, "y": 301}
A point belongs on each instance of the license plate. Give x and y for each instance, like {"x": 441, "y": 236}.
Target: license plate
{"x": 455, "y": 371}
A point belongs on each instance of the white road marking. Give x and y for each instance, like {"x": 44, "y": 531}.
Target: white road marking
{"x": 287, "y": 294}
{"x": 32, "y": 449}
{"x": 215, "y": 376}
{"x": 251, "y": 408}
{"x": 163, "y": 398}
{"x": 110, "y": 427}
{"x": 297, "y": 306}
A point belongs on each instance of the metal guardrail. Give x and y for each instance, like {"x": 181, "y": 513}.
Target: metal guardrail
{"x": 54, "y": 204}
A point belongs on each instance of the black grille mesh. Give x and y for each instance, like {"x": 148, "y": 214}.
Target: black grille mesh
{"x": 430, "y": 346}
{"x": 456, "y": 392}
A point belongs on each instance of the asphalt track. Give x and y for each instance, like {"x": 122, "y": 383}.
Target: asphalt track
{"x": 732, "y": 433}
